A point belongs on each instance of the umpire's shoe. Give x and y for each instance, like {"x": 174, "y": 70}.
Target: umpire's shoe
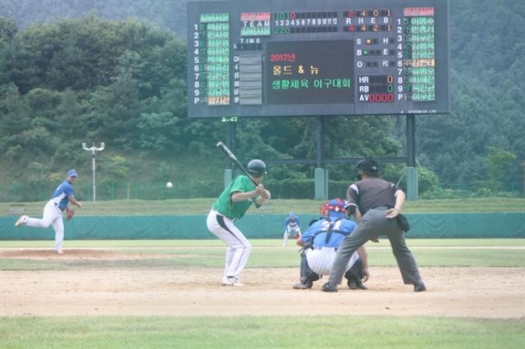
{"x": 419, "y": 287}
{"x": 328, "y": 287}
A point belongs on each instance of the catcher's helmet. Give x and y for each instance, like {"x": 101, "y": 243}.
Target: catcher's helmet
{"x": 334, "y": 208}
{"x": 256, "y": 167}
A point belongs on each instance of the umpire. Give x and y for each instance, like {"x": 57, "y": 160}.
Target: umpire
{"x": 375, "y": 204}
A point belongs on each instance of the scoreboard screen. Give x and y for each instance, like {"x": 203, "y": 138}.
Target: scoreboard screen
{"x": 274, "y": 58}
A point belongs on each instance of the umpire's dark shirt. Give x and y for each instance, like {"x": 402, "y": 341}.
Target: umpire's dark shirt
{"x": 370, "y": 193}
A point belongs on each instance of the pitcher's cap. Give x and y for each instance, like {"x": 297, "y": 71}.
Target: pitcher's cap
{"x": 72, "y": 173}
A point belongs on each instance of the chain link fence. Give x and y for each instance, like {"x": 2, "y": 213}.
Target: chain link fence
{"x": 286, "y": 189}
{"x": 20, "y": 192}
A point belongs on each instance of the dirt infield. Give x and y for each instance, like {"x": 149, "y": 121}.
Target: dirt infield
{"x": 452, "y": 292}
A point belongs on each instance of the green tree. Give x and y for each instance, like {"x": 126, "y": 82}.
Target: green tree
{"x": 499, "y": 161}
{"x": 13, "y": 121}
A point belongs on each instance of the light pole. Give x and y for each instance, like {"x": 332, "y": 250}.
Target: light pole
{"x": 94, "y": 150}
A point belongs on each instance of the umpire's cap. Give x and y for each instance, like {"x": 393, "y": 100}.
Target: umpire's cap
{"x": 368, "y": 165}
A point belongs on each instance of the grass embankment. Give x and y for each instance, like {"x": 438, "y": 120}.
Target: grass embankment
{"x": 202, "y": 206}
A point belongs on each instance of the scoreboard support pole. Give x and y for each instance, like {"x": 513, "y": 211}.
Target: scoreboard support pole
{"x": 412, "y": 179}
{"x": 321, "y": 174}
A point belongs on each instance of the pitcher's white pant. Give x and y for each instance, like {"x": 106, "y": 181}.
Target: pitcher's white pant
{"x": 51, "y": 216}
{"x": 321, "y": 259}
{"x": 239, "y": 248}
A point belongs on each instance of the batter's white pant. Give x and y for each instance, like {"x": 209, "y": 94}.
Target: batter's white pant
{"x": 239, "y": 248}
{"x": 321, "y": 260}
{"x": 51, "y": 216}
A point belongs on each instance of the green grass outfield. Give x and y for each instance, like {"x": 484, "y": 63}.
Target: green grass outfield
{"x": 371, "y": 332}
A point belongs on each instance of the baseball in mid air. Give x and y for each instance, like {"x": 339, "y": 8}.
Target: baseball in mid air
{"x": 169, "y": 185}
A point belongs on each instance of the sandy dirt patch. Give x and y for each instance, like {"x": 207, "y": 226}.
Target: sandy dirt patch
{"x": 144, "y": 291}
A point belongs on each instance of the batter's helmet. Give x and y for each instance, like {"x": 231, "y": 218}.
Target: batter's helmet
{"x": 256, "y": 167}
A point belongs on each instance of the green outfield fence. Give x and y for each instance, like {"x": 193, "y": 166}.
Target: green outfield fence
{"x": 260, "y": 226}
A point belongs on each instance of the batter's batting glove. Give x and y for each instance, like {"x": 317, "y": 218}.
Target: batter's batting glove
{"x": 297, "y": 236}
{"x": 69, "y": 213}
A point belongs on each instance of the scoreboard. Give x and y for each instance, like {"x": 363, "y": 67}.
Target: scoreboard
{"x": 275, "y": 58}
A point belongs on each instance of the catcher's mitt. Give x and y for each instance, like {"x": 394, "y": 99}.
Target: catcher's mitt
{"x": 69, "y": 213}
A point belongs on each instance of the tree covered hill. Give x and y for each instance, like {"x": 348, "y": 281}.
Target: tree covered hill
{"x": 115, "y": 71}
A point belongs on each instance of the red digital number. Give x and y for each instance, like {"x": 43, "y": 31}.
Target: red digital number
{"x": 381, "y": 97}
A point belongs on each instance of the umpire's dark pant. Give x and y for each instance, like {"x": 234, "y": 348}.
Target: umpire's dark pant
{"x": 373, "y": 224}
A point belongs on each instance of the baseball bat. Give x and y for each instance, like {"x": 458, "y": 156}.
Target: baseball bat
{"x": 236, "y": 161}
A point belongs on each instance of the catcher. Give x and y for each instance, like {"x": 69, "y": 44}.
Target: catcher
{"x": 292, "y": 227}
{"x": 320, "y": 243}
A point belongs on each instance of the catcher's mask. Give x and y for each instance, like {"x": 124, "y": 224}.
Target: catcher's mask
{"x": 334, "y": 208}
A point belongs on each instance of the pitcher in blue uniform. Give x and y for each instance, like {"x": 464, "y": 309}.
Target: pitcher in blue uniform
{"x": 61, "y": 198}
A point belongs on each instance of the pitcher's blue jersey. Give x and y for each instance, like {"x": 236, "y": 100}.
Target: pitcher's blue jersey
{"x": 61, "y": 195}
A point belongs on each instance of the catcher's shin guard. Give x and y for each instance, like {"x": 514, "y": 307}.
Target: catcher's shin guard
{"x": 307, "y": 274}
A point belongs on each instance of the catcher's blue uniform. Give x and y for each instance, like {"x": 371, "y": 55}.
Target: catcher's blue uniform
{"x": 322, "y": 239}
{"x": 318, "y": 232}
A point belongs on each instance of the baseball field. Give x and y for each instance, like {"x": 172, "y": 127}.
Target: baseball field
{"x": 167, "y": 294}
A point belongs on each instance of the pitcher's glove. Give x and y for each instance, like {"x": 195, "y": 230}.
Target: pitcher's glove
{"x": 69, "y": 213}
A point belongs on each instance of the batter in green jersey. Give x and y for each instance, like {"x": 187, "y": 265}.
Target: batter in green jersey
{"x": 232, "y": 204}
